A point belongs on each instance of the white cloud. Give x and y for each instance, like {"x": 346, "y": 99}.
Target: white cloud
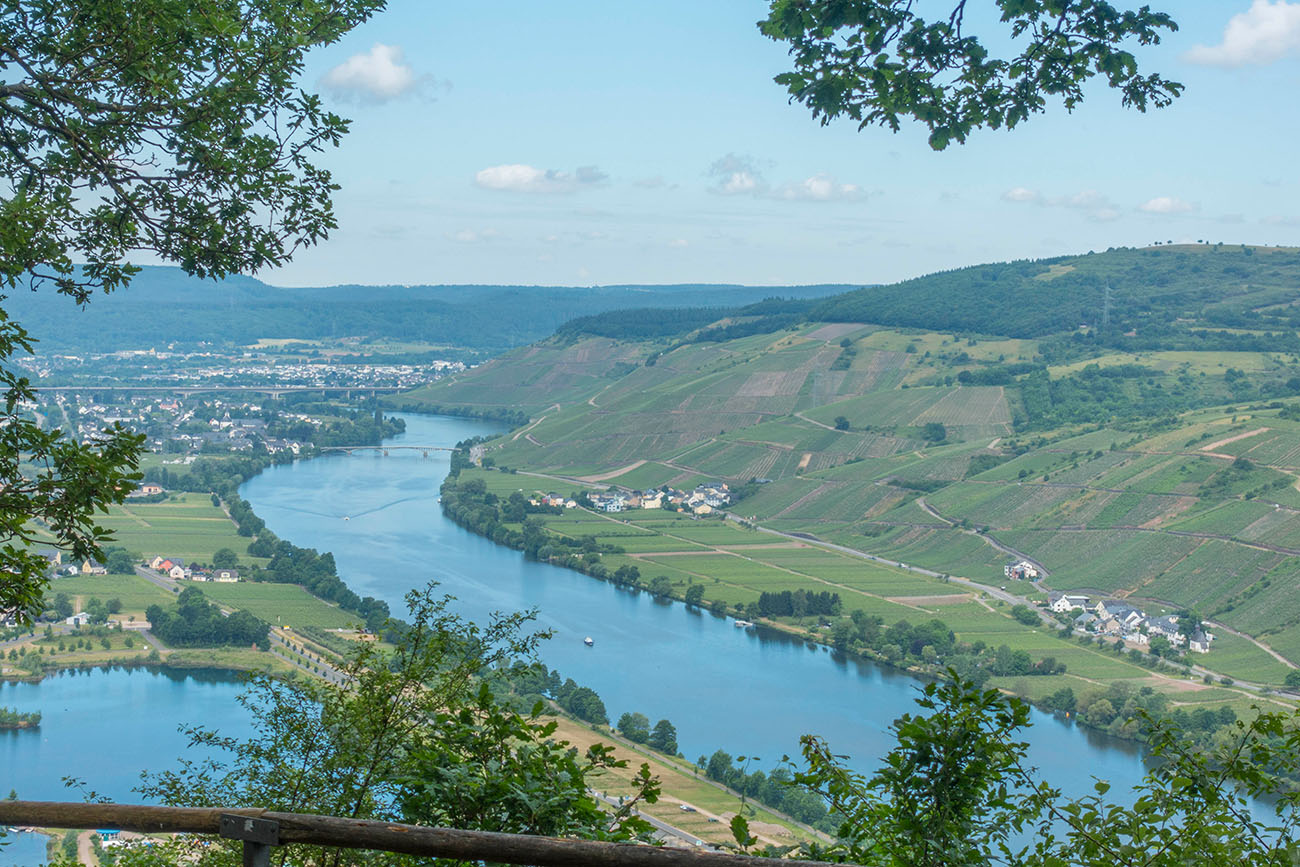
{"x": 679, "y": 242}
{"x": 1167, "y": 205}
{"x": 1277, "y": 220}
{"x": 820, "y": 188}
{"x": 1021, "y": 195}
{"x": 1265, "y": 33}
{"x": 739, "y": 175}
{"x": 1097, "y": 206}
{"x": 736, "y": 174}
{"x": 377, "y": 77}
{"x": 474, "y": 236}
{"x": 520, "y": 178}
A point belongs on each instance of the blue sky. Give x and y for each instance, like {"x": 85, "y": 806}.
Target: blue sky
{"x": 585, "y": 143}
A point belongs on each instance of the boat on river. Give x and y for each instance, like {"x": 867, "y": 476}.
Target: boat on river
{"x": 742, "y": 624}
{"x": 588, "y": 641}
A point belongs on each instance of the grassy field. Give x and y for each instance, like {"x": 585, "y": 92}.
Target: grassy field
{"x": 280, "y": 604}
{"x": 135, "y": 592}
{"x": 186, "y": 526}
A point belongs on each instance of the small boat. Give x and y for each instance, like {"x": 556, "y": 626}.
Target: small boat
{"x": 742, "y": 624}
{"x": 346, "y": 518}
{"x": 588, "y": 641}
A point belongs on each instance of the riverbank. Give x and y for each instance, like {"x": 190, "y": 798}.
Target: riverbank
{"x": 916, "y": 624}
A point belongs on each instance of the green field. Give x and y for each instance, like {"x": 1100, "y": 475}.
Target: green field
{"x": 186, "y": 526}
{"x": 136, "y": 593}
{"x": 280, "y": 604}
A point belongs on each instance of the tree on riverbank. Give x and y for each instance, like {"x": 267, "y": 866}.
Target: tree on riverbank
{"x": 11, "y": 719}
{"x": 172, "y": 129}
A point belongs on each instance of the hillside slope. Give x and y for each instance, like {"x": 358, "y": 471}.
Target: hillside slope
{"x": 1167, "y": 476}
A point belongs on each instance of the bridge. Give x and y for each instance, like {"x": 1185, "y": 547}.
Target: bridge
{"x": 268, "y": 390}
{"x": 385, "y": 449}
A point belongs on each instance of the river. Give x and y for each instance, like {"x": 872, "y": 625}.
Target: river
{"x": 751, "y": 692}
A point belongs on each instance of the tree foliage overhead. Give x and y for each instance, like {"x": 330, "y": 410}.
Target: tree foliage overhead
{"x": 878, "y": 61}
{"x": 170, "y": 128}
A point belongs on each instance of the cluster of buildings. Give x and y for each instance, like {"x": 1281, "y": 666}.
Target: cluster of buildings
{"x": 704, "y": 500}
{"x": 1022, "y": 571}
{"x": 56, "y": 567}
{"x": 1116, "y": 617}
{"x": 248, "y": 366}
{"x": 176, "y": 569}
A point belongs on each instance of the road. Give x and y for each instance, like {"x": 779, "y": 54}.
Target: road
{"x": 1005, "y": 549}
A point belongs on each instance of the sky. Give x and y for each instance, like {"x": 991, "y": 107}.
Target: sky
{"x": 586, "y": 143}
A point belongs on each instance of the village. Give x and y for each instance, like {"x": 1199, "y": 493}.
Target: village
{"x": 1114, "y": 616}
{"x": 705, "y": 499}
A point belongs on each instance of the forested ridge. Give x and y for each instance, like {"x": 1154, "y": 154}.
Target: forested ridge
{"x": 163, "y": 306}
{"x": 1184, "y": 297}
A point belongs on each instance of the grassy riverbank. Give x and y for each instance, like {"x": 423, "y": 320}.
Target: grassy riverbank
{"x": 730, "y": 566}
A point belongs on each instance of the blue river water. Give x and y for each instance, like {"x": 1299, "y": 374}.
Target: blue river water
{"x": 751, "y": 692}
{"x": 747, "y": 691}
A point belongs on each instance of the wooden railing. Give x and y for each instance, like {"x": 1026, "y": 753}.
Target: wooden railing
{"x": 261, "y": 830}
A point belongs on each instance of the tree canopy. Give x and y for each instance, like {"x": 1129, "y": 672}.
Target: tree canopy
{"x": 878, "y": 61}
{"x": 173, "y": 129}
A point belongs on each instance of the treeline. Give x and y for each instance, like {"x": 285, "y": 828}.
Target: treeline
{"x": 11, "y": 719}
{"x": 1152, "y": 293}
{"x": 642, "y": 323}
{"x": 512, "y": 417}
{"x": 536, "y": 680}
{"x": 315, "y": 572}
{"x": 934, "y": 645}
{"x": 775, "y": 789}
{"x": 195, "y": 622}
{"x": 798, "y": 603}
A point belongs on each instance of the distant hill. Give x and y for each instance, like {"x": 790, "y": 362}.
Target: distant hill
{"x": 164, "y": 305}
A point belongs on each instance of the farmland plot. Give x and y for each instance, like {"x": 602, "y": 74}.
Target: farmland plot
{"x": 974, "y": 411}
{"x": 1275, "y": 527}
{"x": 1229, "y": 517}
{"x": 1211, "y": 575}
{"x": 1101, "y": 559}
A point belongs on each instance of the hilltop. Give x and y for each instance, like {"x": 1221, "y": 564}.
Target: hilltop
{"x": 1152, "y": 471}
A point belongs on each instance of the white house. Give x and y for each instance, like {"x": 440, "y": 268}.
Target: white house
{"x": 1200, "y": 641}
{"x": 78, "y": 619}
{"x": 1063, "y": 602}
{"x": 178, "y": 572}
{"x": 225, "y": 576}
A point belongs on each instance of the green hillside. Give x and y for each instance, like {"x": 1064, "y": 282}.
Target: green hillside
{"x": 1168, "y": 475}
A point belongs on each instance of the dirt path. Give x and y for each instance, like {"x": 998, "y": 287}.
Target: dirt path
{"x": 1218, "y": 444}
{"x": 800, "y": 415}
{"x": 85, "y": 851}
{"x": 526, "y": 428}
{"x": 1261, "y": 645}
{"x": 613, "y": 473}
